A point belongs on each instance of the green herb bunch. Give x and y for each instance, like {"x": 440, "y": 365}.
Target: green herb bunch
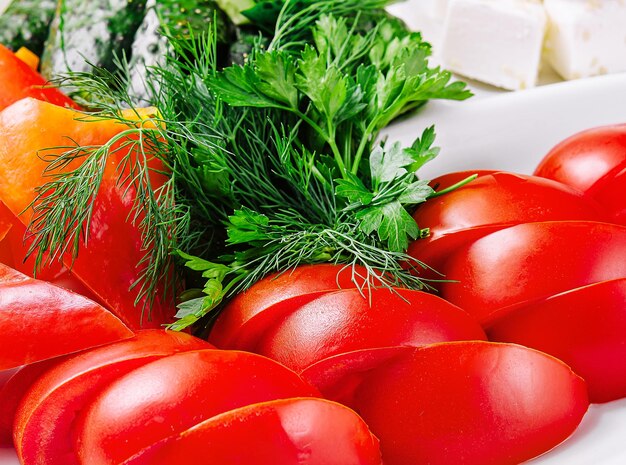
{"x": 278, "y": 162}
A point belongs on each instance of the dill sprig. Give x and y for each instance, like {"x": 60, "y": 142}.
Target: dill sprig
{"x": 275, "y": 163}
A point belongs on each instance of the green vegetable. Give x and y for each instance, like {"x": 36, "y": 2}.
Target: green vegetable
{"x": 175, "y": 18}
{"x": 88, "y": 33}
{"x": 278, "y": 162}
{"x": 25, "y": 23}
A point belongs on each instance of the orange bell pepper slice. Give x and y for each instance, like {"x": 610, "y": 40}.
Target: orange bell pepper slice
{"x": 108, "y": 263}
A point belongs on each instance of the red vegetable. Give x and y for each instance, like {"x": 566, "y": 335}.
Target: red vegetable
{"x": 249, "y": 313}
{"x": 173, "y": 394}
{"x": 39, "y": 321}
{"x": 19, "y": 80}
{"x": 30, "y": 126}
{"x": 587, "y": 158}
{"x": 344, "y": 321}
{"x": 471, "y": 403}
{"x": 532, "y": 261}
{"x": 584, "y": 327}
{"x": 66, "y": 389}
{"x": 492, "y": 202}
{"x": 286, "y": 432}
{"x": 17, "y": 382}
{"x": 593, "y": 161}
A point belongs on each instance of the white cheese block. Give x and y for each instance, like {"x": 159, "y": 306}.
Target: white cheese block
{"x": 495, "y": 41}
{"x": 586, "y": 37}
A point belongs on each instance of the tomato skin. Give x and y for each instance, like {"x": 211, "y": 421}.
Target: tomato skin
{"x": 471, "y": 403}
{"x": 19, "y": 81}
{"x": 492, "y": 202}
{"x": 29, "y": 126}
{"x": 347, "y": 320}
{"x": 286, "y": 432}
{"x": 587, "y": 158}
{"x": 59, "y": 322}
{"x": 69, "y": 386}
{"x": 12, "y": 391}
{"x": 584, "y": 327}
{"x": 611, "y": 194}
{"x": 171, "y": 395}
{"x": 249, "y": 313}
{"x": 511, "y": 266}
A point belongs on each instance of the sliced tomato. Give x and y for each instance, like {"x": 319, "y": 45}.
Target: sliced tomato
{"x": 339, "y": 376}
{"x": 286, "y": 432}
{"x": 587, "y": 158}
{"x": 492, "y": 202}
{"x": 584, "y": 327}
{"x": 109, "y": 264}
{"x": 16, "y": 384}
{"x": 348, "y": 320}
{"x": 19, "y": 80}
{"x": 474, "y": 403}
{"x": 611, "y": 194}
{"x": 39, "y": 321}
{"x": 61, "y": 393}
{"x": 171, "y": 395}
{"x": 249, "y": 313}
{"x": 533, "y": 261}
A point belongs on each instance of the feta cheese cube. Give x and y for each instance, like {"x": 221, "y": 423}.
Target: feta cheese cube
{"x": 495, "y": 41}
{"x": 586, "y": 37}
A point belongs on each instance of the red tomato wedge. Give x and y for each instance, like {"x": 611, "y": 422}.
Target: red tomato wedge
{"x": 533, "y": 261}
{"x": 61, "y": 393}
{"x": 39, "y": 321}
{"x": 347, "y": 320}
{"x": 171, "y": 395}
{"x": 471, "y": 403}
{"x": 12, "y": 391}
{"x": 584, "y": 327}
{"x": 249, "y": 313}
{"x": 300, "y": 431}
{"x": 19, "y": 80}
{"x": 492, "y": 202}
{"x": 588, "y": 158}
{"x": 612, "y": 196}
{"x": 339, "y": 376}
{"x": 28, "y": 128}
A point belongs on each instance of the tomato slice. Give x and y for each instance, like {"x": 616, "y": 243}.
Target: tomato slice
{"x": 248, "y": 314}
{"x": 66, "y": 389}
{"x": 339, "y": 376}
{"x": 17, "y": 383}
{"x": 347, "y": 320}
{"x": 584, "y": 327}
{"x": 286, "y": 432}
{"x": 39, "y": 321}
{"x": 492, "y": 202}
{"x": 19, "y": 80}
{"x": 474, "y": 403}
{"x": 171, "y": 395}
{"x": 587, "y": 157}
{"x": 611, "y": 194}
{"x": 533, "y": 261}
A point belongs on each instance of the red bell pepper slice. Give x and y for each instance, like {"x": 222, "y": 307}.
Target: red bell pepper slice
{"x": 108, "y": 264}
{"x": 19, "y": 80}
{"x": 39, "y": 321}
